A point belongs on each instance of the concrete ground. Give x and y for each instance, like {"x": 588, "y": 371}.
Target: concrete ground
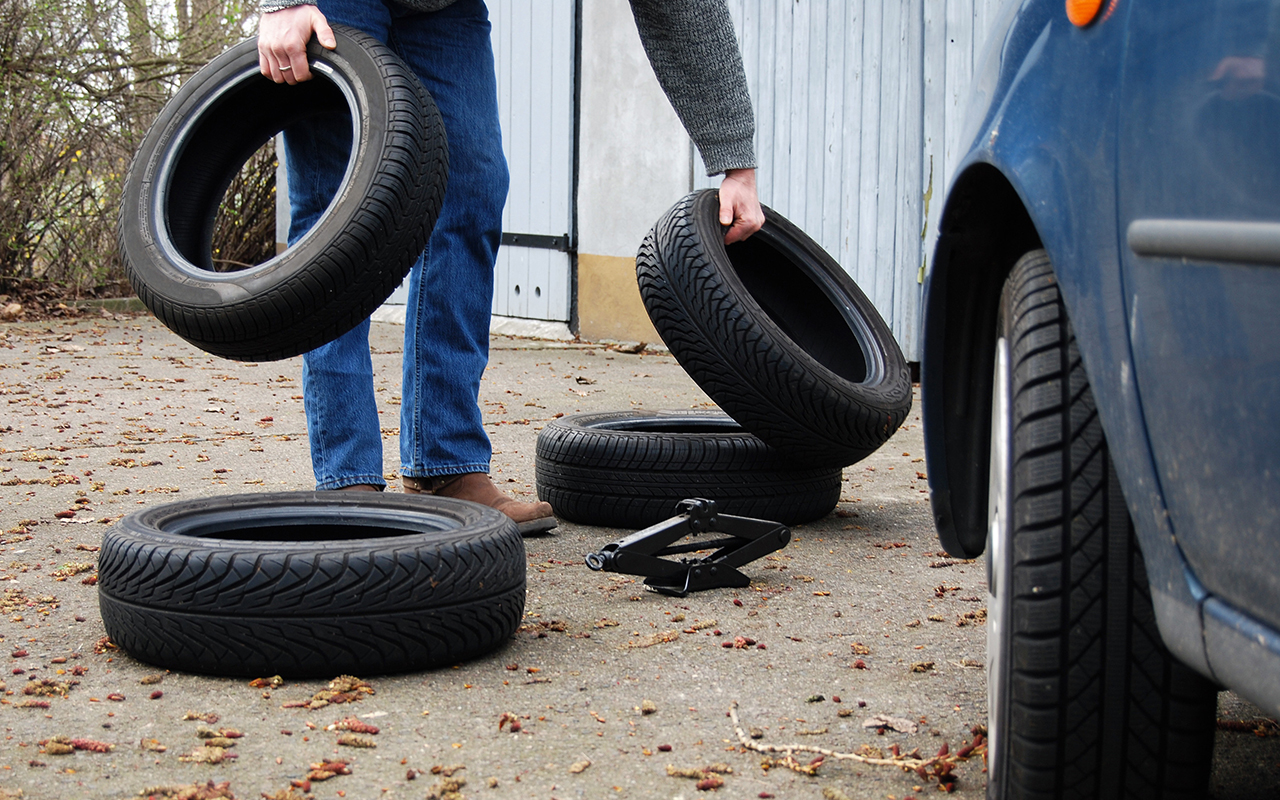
{"x": 861, "y": 615}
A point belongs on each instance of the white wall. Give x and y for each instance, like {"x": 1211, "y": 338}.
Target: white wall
{"x": 533, "y": 53}
{"x": 858, "y": 108}
{"x": 634, "y": 158}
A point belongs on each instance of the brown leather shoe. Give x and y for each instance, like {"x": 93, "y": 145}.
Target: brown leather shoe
{"x": 531, "y": 517}
{"x": 359, "y": 487}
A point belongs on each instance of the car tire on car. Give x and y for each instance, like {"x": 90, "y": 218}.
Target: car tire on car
{"x": 629, "y": 469}
{"x": 1084, "y": 700}
{"x": 311, "y": 584}
{"x": 356, "y": 253}
{"x": 776, "y": 332}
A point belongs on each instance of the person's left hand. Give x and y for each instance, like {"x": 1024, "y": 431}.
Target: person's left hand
{"x": 739, "y": 205}
{"x": 282, "y": 42}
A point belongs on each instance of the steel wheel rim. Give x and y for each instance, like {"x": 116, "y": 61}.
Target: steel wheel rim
{"x": 999, "y": 602}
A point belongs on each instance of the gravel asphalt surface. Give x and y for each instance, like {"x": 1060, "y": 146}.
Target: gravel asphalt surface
{"x": 860, "y": 620}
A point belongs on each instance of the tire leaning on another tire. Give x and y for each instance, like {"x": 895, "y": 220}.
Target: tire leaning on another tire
{"x": 1083, "y": 698}
{"x": 775, "y": 332}
{"x": 311, "y": 584}
{"x": 354, "y": 256}
{"x": 629, "y": 469}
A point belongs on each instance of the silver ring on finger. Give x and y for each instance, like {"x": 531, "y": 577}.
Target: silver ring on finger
{"x": 286, "y": 68}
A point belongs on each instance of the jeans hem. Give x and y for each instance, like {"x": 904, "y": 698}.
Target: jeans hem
{"x": 465, "y": 469}
{"x": 342, "y": 483}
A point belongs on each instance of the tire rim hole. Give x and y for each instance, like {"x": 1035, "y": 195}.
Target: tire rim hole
{"x": 218, "y": 202}
{"x": 800, "y": 306}
{"x": 301, "y": 532}
{"x": 244, "y": 227}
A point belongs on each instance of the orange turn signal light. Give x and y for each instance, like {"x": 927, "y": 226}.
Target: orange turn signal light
{"x": 1082, "y": 12}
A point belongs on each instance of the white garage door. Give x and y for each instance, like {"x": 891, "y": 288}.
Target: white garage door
{"x": 533, "y": 43}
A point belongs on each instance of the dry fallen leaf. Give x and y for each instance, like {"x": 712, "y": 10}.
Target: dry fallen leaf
{"x": 356, "y": 740}
{"x": 891, "y": 723}
{"x": 447, "y": 789}
{"x": 353, "y": 725}
{"x": 193, "y": 791}
{"x": 207, "y": 755}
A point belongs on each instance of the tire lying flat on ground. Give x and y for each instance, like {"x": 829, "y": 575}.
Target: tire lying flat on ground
{"x": 629, "y": 469}
{"x": 311, "y": 584}
{"x": 348, "y": 263}
{"x": 1083, "y": 698}
{"x": 775, "y": 332}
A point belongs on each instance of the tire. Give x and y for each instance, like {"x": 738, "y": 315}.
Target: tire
{"x": 311, "y": 584}
{"x": 629, "y": 469}
{"x": 775, "y": 332}
{"x": 1084, "y": 701}
{"x": 356, "y": 254}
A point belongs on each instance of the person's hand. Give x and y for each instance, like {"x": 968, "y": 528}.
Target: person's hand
{"x": 282, "y": 42}
{"x": 739, "y": 205}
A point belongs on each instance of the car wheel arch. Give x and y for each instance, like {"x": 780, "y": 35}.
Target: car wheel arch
{"x": 985, "y": 229}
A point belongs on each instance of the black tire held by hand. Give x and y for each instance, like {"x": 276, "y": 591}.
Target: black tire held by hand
{"x": 775, "y": 332}
{"x": 629, "y": 469}
{"x": 311, "y": 584}
{"x": 356, "y": 254}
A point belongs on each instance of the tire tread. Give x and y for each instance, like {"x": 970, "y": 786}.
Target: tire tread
{"x": 1098, "y": 707}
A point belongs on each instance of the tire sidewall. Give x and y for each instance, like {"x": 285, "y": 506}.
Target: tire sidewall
{"x": 155, "y": 273}
{"x": 884, "y": 357}
{"x": 999, "y": 560}
{"x": 612, "y": 428}
{"x": 144, "y": 551}
{"x": 745, "y": 360}
{"x": 631, "y": 469}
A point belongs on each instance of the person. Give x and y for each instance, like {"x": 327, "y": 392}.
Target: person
{"x": 443, "y": 447}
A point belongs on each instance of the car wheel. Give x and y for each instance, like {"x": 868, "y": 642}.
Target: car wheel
{"x": 629, "y": 469}
{"x": 311, "y": 584}
{"x": 775, "y": 332}
{"x": 1083, "y": 698}
{"x": 354, "y": 256}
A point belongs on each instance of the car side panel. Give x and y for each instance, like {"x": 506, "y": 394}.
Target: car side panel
{"x": 1200, "y": 170}
{"x": 1051, "y": 95}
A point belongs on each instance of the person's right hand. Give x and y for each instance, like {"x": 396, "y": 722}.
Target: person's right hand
{"x": 282, "y": 42}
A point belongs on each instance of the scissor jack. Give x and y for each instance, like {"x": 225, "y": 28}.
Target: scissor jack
{"x": 641, "y": 552}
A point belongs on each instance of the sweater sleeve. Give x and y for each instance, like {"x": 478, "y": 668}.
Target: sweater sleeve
{"x": 694, "y": 53}
{"x": 267, "y": 6}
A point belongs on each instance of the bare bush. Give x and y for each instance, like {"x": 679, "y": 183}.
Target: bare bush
{"x": 244, "y": 231}
{"x": 80, "y": 82}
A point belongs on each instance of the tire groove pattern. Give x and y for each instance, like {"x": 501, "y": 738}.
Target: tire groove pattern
{"x": 746, "y": 360}
{"x": 1097, "y": 708}
{"x": 629, "y": 469}
{"x": 418, "y": 582}
{"x": 314, "y": 646}
{"x": 328, "y": 286}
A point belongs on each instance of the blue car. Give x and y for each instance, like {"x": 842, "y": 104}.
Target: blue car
{"x": 1101, "y": 385}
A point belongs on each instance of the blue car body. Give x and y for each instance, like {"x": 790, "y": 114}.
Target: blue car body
{"x": 1142, "y": 152}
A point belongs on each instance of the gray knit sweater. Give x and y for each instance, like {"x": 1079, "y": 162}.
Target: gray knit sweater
{"x": 695, "y": 55}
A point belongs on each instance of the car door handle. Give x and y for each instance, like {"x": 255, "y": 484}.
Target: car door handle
{"x": 1207, "y": 240}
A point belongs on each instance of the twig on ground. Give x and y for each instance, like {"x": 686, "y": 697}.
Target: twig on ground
{"x": 938, "y": 767}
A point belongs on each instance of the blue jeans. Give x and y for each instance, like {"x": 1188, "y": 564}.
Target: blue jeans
{"x": 446, "y": 337}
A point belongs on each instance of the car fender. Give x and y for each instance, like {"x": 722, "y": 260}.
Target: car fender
{"x": 1046, "y": 104}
